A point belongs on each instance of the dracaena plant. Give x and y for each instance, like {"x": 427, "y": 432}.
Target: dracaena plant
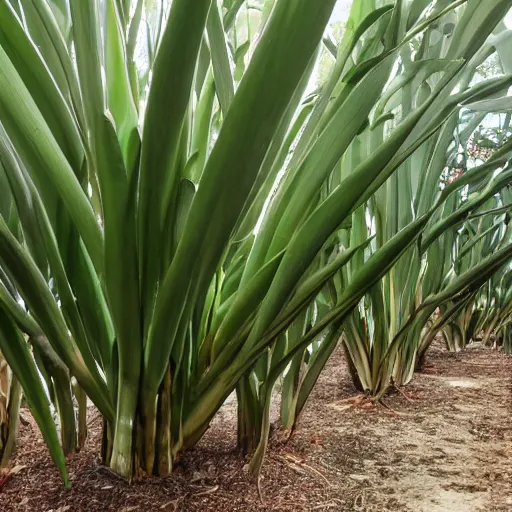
{"x": 127, "y": 185}
{"x": 460, "y": 320}
{"x": 380, "y": 337}
{"x": 379, "y": 361}
{"x": 473, "y": 235}
{"x": 485, "y": 313}
{"x": 493, "y": 312}
{"x": 385, "y": 336}
{"x": 140, "y": 142}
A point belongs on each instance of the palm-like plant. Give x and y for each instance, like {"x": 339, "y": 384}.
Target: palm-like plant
{"x": 380, "y": 336}
{"x": 385, "y": 336}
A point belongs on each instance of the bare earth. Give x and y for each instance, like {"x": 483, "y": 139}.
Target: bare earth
{"x": 443, "y": 445}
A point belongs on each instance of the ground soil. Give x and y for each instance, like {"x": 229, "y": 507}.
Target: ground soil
{"x": 444, "y": 444}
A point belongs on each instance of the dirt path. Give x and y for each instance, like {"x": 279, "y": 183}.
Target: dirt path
{"x": 444, "y": 446}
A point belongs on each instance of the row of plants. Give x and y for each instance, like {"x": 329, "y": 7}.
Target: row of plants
{"x": 182, "y": 217}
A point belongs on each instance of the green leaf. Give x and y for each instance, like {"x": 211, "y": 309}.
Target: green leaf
{"x": 15, "y": 350}
{"x": 31, "y": 136}
{"x": 220, "y": 59}
{"x": 165, "y": 112}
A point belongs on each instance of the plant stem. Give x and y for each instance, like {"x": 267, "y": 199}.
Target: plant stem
{"x": 122, "y": 451}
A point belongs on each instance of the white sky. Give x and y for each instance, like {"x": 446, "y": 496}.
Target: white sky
{"x": 341, "y": 10}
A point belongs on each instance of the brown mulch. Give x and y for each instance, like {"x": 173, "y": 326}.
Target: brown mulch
{"x": 444, "y": 443}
